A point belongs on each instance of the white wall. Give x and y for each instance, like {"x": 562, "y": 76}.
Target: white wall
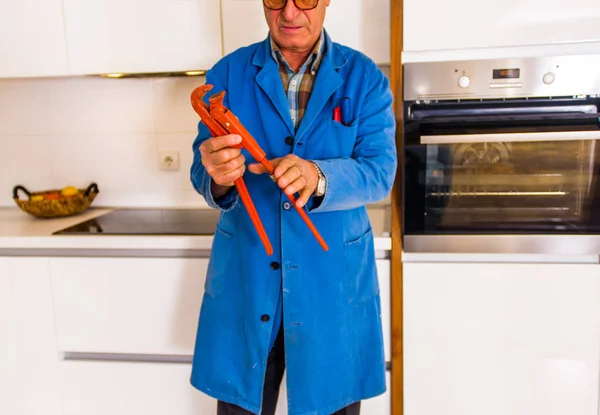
{"x": 56, "y": 132}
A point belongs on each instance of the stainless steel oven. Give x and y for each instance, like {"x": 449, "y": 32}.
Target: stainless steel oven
{"x": 502, "y": 155}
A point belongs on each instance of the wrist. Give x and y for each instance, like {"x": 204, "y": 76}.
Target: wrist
{"x": 218, "y": 191}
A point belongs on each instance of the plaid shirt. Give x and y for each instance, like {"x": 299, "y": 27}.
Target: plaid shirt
{"x": 298, "y": 87}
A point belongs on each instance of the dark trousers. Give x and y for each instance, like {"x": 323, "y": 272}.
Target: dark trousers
{"x": 273, "y": 376}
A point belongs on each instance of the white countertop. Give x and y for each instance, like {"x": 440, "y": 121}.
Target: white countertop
{"x": 19, "y": 230}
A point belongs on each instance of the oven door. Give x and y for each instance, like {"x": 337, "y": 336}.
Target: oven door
{"x": 509, "y": 167}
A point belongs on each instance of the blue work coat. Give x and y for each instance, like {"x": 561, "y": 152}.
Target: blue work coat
{"x": 331, "y": 306}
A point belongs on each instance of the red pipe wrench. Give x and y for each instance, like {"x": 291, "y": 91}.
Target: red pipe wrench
{"x": 221, "y": 121}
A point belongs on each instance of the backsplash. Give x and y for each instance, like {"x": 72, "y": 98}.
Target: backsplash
{"x": 56, "y": 132}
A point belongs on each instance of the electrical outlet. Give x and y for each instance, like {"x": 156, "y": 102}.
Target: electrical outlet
{"x": 168, "y": 159}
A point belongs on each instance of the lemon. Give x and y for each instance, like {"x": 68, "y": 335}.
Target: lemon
{"x": 69, "y": 191}
{"x": 37, "y": 198}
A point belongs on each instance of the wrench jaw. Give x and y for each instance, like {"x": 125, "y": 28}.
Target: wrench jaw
{"x": 199, "y": 93}
{"x": 217, "y": 101}
{"x": 218, "y": 109}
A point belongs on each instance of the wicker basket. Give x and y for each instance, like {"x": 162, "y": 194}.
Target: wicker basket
{"x": 58, "y": 205}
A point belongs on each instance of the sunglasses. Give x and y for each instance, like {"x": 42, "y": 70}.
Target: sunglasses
{"x": 300, "y": 4}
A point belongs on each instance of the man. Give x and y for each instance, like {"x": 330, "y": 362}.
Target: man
{"x": 312, "y": 312}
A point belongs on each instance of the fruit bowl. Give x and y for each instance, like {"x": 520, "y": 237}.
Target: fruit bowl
{"x": 57, "y": 202}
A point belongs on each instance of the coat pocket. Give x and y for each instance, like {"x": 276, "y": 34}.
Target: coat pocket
{"x": 219, "y": 262}
{"x": 342, "y": 139}
{"x": 360, "y": 268}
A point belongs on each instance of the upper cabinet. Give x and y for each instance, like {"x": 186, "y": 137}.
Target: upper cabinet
{"x": 32, "y": 38}
{"x": 81, "y": 37}
{"x": 361, "y": 24}
{"x": 105, "y": 36}
{"x": 243, "y": 23}
{"x": 463, "y": 24}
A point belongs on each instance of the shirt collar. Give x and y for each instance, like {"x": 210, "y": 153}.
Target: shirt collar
{"x": 316, "y": 55}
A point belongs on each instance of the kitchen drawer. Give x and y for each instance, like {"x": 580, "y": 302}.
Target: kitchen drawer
{"x": 125, "y": 388}
{"x": 127, "y": 305}
{"x": 144, "y": 305}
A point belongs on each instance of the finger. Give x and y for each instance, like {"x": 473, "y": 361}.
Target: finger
{"x": 217, "y": 164}
{"x": 227, "y": 179}
{"x": 276, "y": 161}
{"x": 284, "y": 165}
{"x": 303, "y": 199}
{"x": 256, "y": 168}
{"x": 289, "y": 176}
{"x": 296, "y": 186}
{"x": 225, "y": 155}
{"x": 233, "y": 164}
{"x": 217, "y": 143}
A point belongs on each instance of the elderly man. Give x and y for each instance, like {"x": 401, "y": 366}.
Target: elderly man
{"x": 323, "y": 114}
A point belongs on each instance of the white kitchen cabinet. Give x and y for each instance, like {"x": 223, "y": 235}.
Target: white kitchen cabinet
{"x": 107, "y": 36}
{"x": 243, "y": 23}
{"x": 28, "y": 355}
{"x": 463, "y": 24}
{"x": 361, "y": 24}
{"x": 144, "y": 305}
{"x": 126, "y": 388}
{"x": 497, "y": 339}
{"x": 128, "y": 305}
{"x": 32, "y": 39}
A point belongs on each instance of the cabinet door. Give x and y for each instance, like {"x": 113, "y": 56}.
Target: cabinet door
{"x": 128, "y": 305}
{"x": 243, "y": 23}
{"x": 126, "y": 388}
{"x": 142, "y": 35}
{"x": 474, "y": 24}
{"x": 360, "y": 24}
{"x": 28, "y": 355}
{"x": 363, "y": 25}
{"x": 32, "y": 38}
{"x": 501, "y": 339}
{"x": 8, "y": 344}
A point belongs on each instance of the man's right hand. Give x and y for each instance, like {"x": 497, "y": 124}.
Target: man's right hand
{"x": 222, "y": 163}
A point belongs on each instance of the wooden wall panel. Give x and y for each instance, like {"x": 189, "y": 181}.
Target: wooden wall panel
{"x": 396, "y": 44}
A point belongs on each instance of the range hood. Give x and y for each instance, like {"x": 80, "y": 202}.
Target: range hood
{"x": 118, "y": 75}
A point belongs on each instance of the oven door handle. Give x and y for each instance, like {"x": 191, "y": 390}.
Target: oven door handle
{"x": 510, "y": 137}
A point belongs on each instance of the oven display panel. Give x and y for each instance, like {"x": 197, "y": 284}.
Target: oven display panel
{"x": 513, "y": 73}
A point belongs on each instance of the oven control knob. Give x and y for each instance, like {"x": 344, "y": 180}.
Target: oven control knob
{"x": 464, "y": 81}
{"x": 548, "y": 78}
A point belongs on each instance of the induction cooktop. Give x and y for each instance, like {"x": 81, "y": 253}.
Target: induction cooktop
{"x": 148, "y": 222}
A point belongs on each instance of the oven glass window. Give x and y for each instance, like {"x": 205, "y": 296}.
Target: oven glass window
{"x": 487, "y": 187}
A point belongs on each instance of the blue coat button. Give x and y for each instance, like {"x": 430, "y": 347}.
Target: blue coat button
{"x": 287, "y": 205}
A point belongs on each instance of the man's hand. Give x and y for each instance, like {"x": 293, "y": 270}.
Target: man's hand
{"x": 293, "y": 175}
{"x": 223, "y": 164}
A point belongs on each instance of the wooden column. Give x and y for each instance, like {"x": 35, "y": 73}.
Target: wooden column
{"x": 397, "y": 390}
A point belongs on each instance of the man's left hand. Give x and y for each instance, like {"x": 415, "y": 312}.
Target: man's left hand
{"x": 293, "y": 175}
